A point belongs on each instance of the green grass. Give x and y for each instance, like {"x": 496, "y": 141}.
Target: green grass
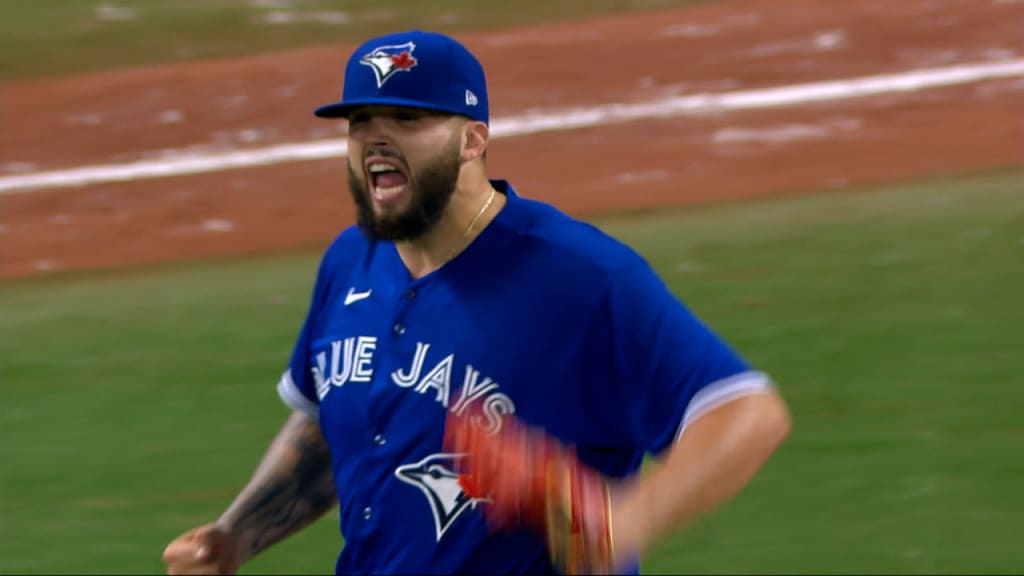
{"x": 52, "y": 37}
{"x": 134, "y": 405}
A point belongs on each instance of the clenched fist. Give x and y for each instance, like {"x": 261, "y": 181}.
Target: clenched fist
{"x": 204, "y": 550}
{"x": 529, "y": 477}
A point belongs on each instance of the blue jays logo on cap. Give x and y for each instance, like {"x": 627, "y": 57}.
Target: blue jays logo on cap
{"x": 387, "y": 61}
{"x": 440, "y": 74}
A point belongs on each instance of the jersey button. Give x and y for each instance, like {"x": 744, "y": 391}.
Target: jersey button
{"x": 409, "y": 294}
{"x": 367, "y": 513}
{"x": 398, "y": 329}
{"x": 379, "y": 440}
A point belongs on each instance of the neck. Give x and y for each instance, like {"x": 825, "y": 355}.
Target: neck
{"x": 468, "y": 213}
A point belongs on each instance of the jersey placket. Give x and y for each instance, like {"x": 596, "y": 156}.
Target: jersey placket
{"x": 384, "y": 439}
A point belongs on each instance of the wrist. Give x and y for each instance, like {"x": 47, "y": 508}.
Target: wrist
{"x": 630, "y": 524}
{"x": 234, "y": 538}
{"x": 227, "y": 525}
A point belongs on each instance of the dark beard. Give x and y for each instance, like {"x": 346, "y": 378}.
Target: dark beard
{"x": 432, "y": 190}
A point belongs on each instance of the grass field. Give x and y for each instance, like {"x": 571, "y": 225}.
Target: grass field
{"x": 70, "y": 36}
{"x": 134, "y": 404}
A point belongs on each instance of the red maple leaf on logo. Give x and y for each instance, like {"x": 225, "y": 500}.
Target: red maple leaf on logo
{"x": 403, "y": 61}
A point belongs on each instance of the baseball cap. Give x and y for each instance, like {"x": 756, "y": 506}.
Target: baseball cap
{"x": 415, "y": 69}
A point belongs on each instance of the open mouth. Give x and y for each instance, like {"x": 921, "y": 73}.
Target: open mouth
{"x": 387, "y": 180}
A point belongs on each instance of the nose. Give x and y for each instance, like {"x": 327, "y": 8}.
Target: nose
{"x": 372, "y": 130}
{"x": 379, "y": 144}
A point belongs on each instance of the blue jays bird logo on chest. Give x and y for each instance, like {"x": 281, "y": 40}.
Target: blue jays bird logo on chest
{"x": 386, "y": 61}
{"x": 441, "y": 486}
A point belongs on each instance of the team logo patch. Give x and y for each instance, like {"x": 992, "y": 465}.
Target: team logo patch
{"x": 386, "y": 61}
{"x": 441, "y": 487}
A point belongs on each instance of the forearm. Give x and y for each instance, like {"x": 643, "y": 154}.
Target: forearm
{"x": 292, "y": 487}
{"x": 715, "y": 458}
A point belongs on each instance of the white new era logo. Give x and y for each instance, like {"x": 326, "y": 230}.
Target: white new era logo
{"x": 354, "y": 296}
{"x": 471, "y": 99}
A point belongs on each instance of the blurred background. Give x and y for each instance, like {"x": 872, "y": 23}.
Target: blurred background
{"x": 836, "y": 187}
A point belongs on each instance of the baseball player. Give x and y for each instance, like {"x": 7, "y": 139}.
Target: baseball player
{"x": 480, "y": 377}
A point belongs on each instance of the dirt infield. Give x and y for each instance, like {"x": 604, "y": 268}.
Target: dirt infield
{"x": 733, "y": 45}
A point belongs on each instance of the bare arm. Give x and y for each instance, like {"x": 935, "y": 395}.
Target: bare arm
{"x": 717, "y": 456}
{"x": 292, "y": 487}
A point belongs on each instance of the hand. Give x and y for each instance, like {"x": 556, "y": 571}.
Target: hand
{"x": 208, "y": 549}
{"x": 531, "y": 479}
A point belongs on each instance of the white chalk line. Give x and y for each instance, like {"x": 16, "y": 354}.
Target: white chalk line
{"x": 532, "y": 123}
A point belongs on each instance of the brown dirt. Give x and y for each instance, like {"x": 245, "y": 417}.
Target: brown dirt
{"x": 733, "y": 45}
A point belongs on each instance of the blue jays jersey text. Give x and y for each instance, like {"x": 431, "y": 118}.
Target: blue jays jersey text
{"x": 542, "y": 317}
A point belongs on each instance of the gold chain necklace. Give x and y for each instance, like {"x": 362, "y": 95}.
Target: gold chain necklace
{"x": 459, "y": 246}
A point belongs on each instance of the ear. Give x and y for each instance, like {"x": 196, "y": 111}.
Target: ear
{"x": 475, "y": 136}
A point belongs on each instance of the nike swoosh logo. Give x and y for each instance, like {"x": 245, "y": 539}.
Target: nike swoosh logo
{"x": 354, "y": 296}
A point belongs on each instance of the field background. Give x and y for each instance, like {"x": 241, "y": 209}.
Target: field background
{"x": 39, "y": 39}
{"x": 136, "y": 399}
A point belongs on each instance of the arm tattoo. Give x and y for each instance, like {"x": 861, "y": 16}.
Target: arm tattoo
{"x": 293, "y": 486}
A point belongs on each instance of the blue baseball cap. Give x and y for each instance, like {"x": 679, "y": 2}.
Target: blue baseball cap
{"x": 413, "y": 69}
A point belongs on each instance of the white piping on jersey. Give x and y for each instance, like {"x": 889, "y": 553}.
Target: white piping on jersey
{"x": 722, "y": 392}
{"x": 291, "y": 396}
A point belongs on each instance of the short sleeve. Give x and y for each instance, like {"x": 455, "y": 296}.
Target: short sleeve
{"x": 297, "y": 386}
{"x": 669, "y": 368}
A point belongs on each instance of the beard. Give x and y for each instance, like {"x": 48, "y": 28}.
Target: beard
{"x": 430, "y": 190}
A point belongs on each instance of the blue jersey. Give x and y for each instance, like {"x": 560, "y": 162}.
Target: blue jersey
{"x": 542, "y": 316}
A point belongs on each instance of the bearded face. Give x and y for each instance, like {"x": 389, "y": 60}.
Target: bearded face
{"x": 398, "y": 201}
